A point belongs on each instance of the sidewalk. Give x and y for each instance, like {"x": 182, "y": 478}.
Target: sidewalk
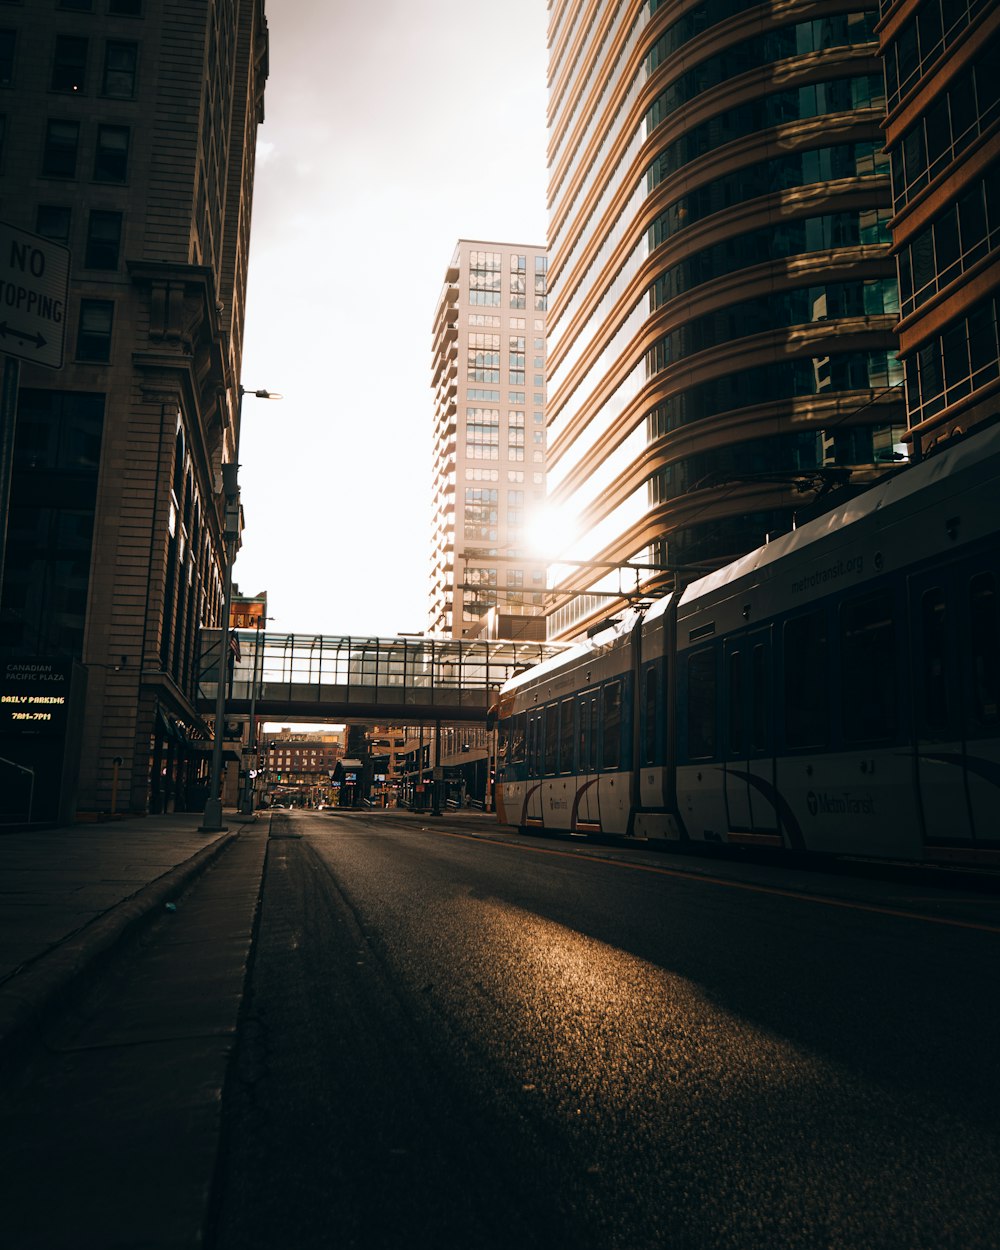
{"x": 68, "y": 895}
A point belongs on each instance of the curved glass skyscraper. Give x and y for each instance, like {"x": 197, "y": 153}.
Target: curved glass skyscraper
{"x": 722, "y": 298}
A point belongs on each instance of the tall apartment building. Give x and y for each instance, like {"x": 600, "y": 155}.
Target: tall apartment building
{"x": 721, "y": 348}
{"x": 128, "y": 136}
{"x": 488, "y": 378}
{"x": 943, "y": 138}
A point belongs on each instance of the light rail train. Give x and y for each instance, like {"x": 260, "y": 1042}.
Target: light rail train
{"x": 837, "y": 690}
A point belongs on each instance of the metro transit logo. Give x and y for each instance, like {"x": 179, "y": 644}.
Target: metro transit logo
{"x": 823, "y": 803}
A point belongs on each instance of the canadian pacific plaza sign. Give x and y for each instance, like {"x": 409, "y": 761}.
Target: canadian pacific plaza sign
{"x": 34, "y": 284}
{"x": 34, "y": 696}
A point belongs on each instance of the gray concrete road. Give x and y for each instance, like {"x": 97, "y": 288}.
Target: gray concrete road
{"x": 458, "y": 1038}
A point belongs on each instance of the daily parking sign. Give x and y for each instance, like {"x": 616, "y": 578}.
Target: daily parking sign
{"x": 34, "y": 283}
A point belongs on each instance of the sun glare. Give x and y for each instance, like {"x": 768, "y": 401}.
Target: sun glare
{"x": 550, "y": 532}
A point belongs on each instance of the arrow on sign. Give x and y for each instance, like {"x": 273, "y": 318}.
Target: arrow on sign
{"x": 37, "y": 339}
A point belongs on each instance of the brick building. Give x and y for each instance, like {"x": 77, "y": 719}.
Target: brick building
{"x": 128, "y": 136}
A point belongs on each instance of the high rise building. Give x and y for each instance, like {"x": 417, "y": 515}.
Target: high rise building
{"x": 488, "y": 377}
{"x": 721, "y": 347}
{"x": 943, "y": 138}
{"x": 128, "y": 136}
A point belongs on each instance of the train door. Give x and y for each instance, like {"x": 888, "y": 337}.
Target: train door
{"x": 750, "y": 769}
{"x": 535, "y": 753}
{"x": 588, "y": 814}
{"x": 940, "y": 757}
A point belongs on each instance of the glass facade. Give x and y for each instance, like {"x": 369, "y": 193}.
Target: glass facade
{"x": 722, "y": 295}
{"x": 943, "y": 98}
{"x": 57, "y": 452}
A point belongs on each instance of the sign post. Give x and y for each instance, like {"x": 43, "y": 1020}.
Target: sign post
{"x": 34, "y": 286}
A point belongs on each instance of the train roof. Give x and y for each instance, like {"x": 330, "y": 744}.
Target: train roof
{"x": 580, "y": 649}
{"x": 961, "y": 457}
{"x": 964, "y": 455}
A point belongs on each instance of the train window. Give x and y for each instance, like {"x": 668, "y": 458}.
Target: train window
{"x": 588, "y": 734}
{"x": 735, "y": 695}
{"x": 934, "y": 628}
{"x": 701, "y": 705}
{"x": 760, "y": 699}
{"x": 566, "y": 709}
{"x": 650, "y": 701}
{"x": 503, "y": 741}
{"x": 807, "y": 682}
{"x": 985, "y": 645}
{"x": 612, "y": 696}
{"x": 518, "y": 725}
{"x": 868, "y": 668}
{"x": 551, "y": 764}
{"x": 535, "y": 745}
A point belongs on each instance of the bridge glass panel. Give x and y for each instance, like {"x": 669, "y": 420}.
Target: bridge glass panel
{"x": 330, "y": 677}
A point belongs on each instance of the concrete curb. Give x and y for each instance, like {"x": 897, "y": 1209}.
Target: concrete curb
{"x": 29, "y": 997}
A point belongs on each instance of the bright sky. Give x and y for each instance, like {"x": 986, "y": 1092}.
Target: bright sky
{"x": 391, "y": 131}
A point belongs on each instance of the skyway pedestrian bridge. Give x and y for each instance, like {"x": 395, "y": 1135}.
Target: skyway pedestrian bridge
{"x": 317, "y": 677}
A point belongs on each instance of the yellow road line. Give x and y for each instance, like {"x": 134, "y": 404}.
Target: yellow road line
{"x": 682, "y": 875}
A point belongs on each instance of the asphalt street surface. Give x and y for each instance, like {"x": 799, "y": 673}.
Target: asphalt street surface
{"x": 455, "y": 1040}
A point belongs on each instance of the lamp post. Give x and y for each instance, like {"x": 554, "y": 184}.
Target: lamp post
{"x": 246, "y": 807}
{"x": 212, "y": 822}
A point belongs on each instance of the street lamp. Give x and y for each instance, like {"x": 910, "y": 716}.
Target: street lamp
{"x": 246, "y": 806}
{"x": 212, "y": 822}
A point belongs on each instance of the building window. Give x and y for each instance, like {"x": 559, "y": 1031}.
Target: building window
{"x": 480, "y": 593}
{"x": 125, "y": 8}
{"x": 69, "y": 64}
{"x": 482, "y": 434}
{"x": 53, "y": 221}
{"x": 93, "y": 339}
{"x": 81, "y": 6}
{"x": 111, "y": 154}
{"x": 480, "y": 514}
{"x": 541, "y": 297}
{"x": 483, "y": 363}
{"x": 61, "y": 142}
{"x": 516, "y": 355}
{"x": 120, "y": 60}
{"x": 518, "y": 281}
{"x": 966, "y": 109}
{"x": 484, "y": 278}
{"x": 104, "y": 231}
{"x": 8, "y": 41}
